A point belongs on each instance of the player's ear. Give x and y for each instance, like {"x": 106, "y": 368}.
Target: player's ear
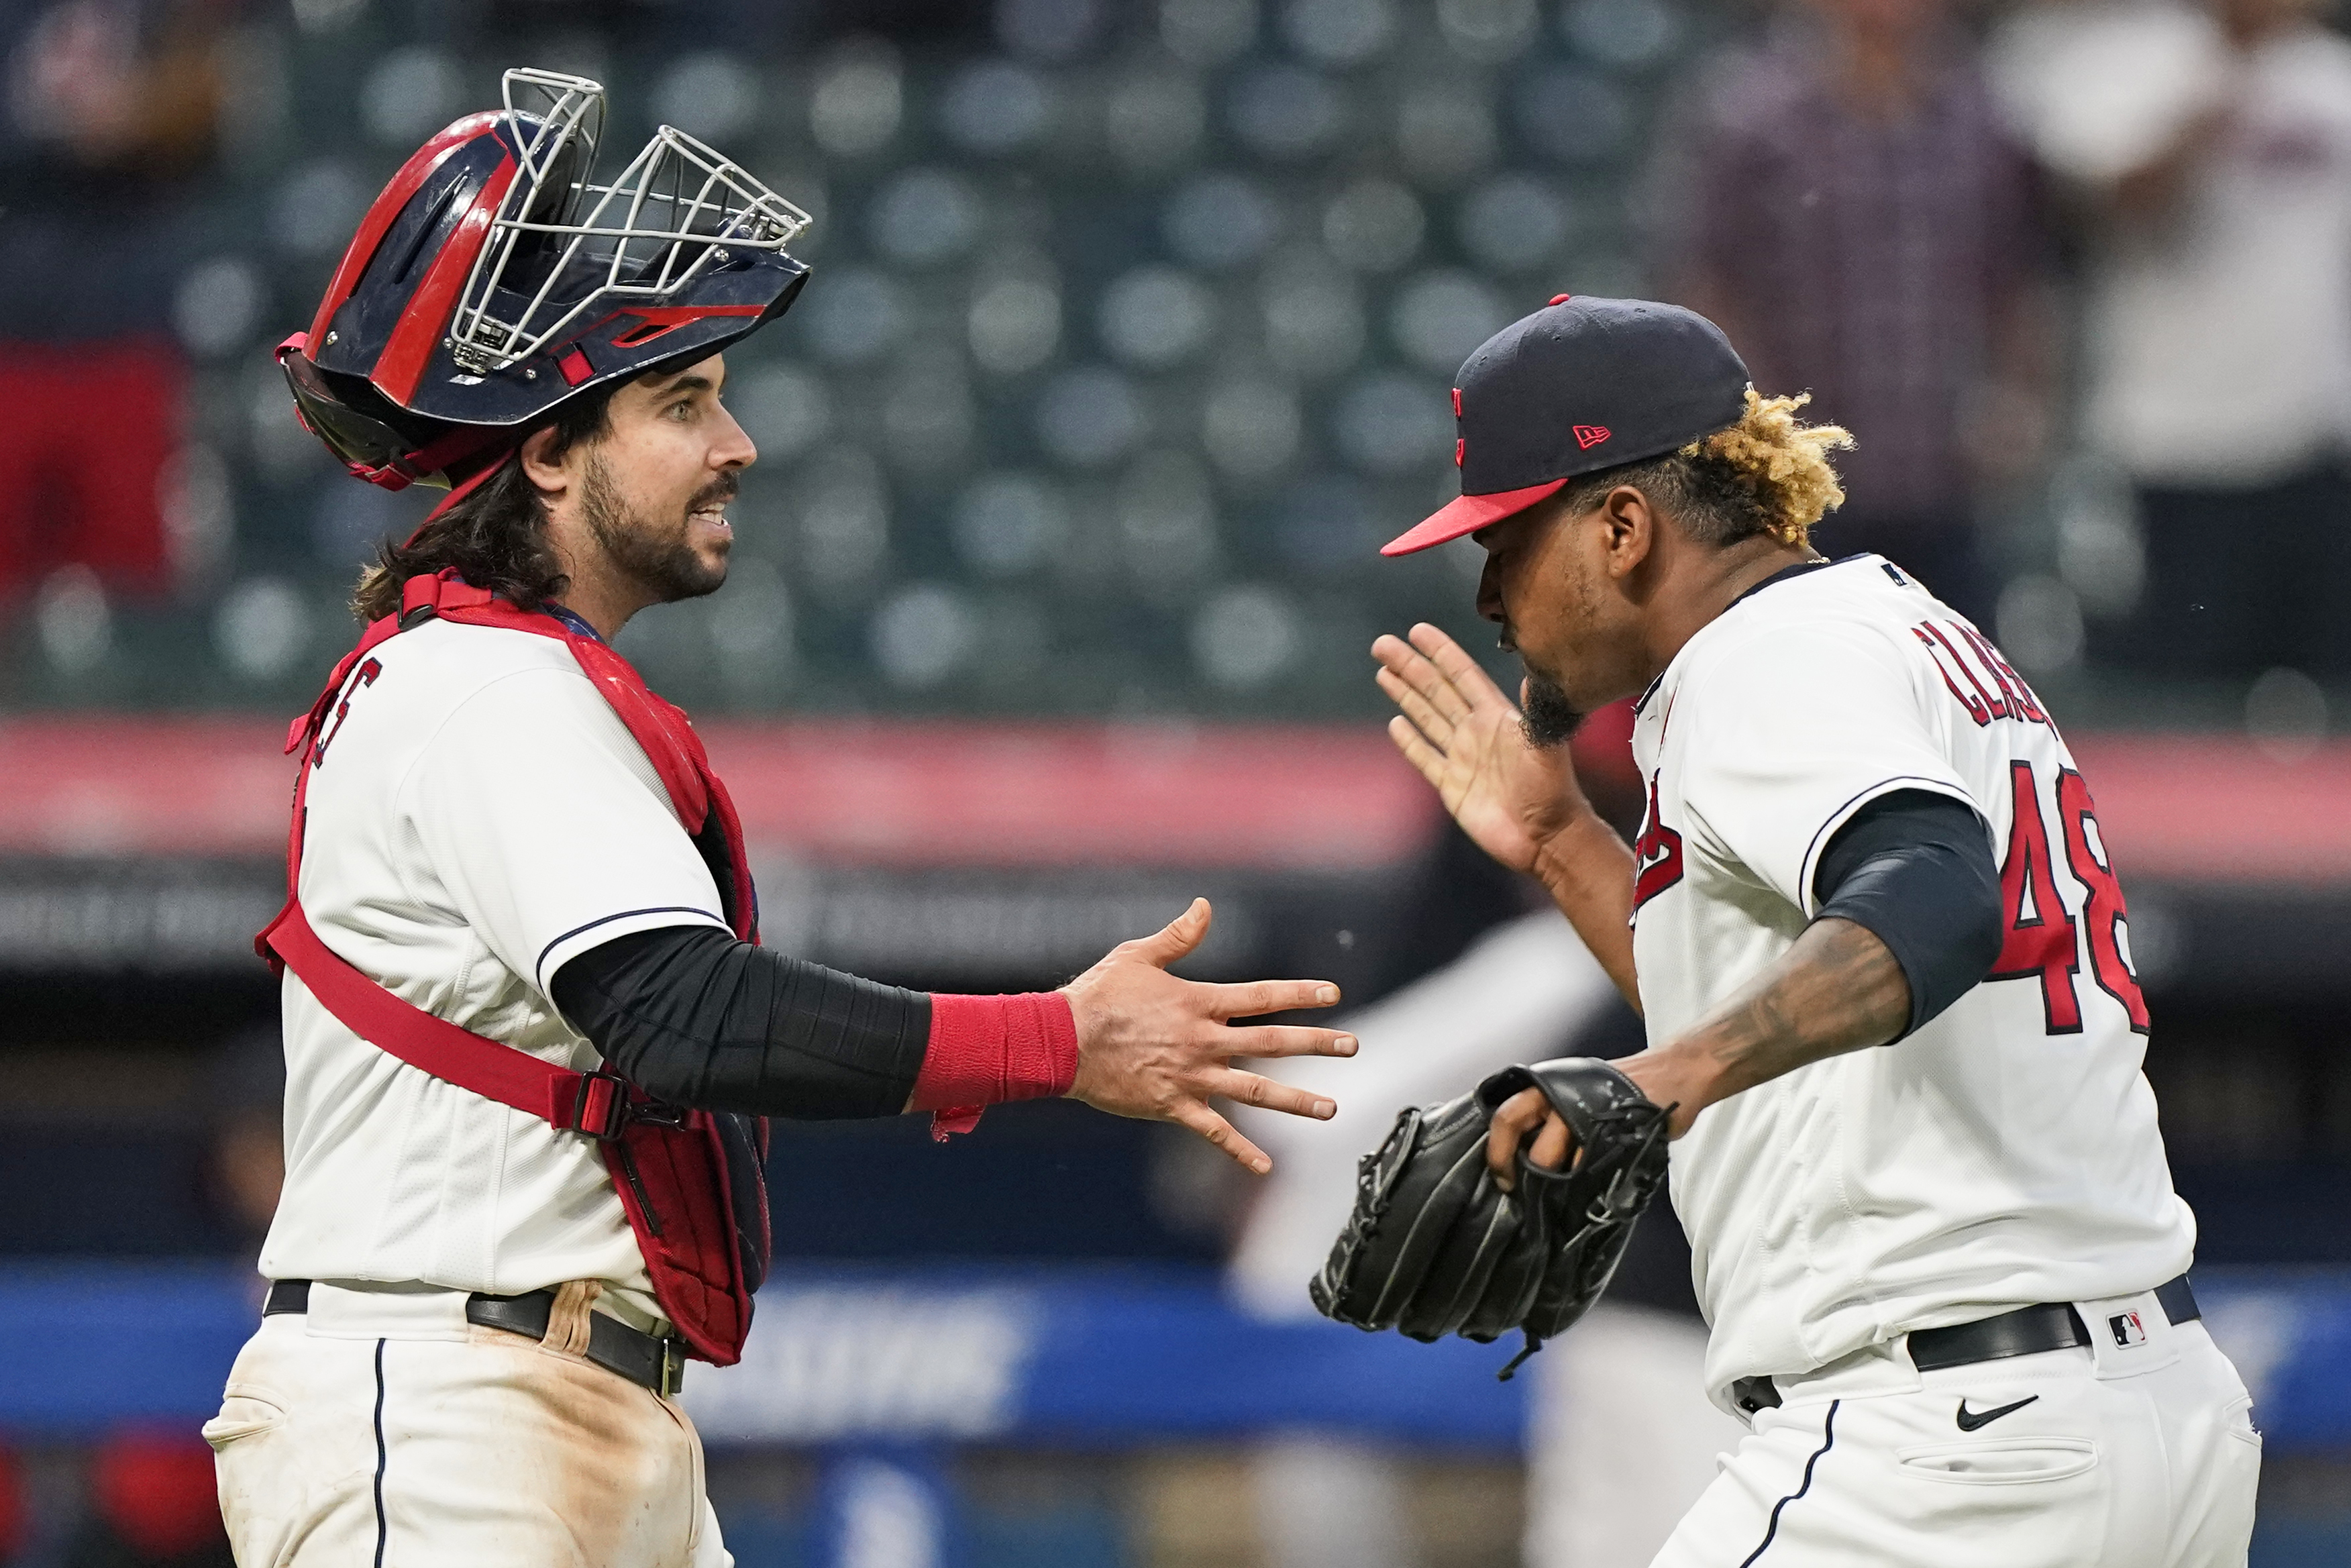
{"x": 1629, "y": 530}
{"x": 540, "y": 466}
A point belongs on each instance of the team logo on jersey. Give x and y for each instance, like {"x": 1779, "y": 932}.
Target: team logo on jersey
{"x": 364, "y": 676}
{"x": 1657, "y": 853}
{"x": 2128, "y": 1328}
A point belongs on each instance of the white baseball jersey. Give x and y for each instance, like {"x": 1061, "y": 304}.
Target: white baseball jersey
{"x": 2005, "y": 1153}
{"x": 478, "y": 815}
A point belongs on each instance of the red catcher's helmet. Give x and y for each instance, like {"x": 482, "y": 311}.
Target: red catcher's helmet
{"x": 492, "y": 279}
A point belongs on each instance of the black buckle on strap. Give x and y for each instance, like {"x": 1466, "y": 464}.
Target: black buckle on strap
{"x": 659, "y": 1114}
{"x": 602, "y": 1108}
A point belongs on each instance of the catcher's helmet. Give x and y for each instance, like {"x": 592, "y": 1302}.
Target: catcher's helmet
{"x": 492, "y": 279}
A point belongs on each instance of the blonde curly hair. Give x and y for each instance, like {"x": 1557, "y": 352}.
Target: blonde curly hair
{"x": 1769, "y": 474}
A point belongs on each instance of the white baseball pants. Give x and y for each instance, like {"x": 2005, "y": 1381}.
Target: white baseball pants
{"x": 2121, "y": 1455}
{"x": 381, "y": 1430}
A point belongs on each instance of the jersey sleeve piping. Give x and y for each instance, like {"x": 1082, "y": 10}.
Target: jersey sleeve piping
{"x": 539, "y": 968}
{"x": 1844, "y": 813}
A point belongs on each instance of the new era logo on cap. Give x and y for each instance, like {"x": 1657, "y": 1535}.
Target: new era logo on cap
{"x": 1581, "y": 385}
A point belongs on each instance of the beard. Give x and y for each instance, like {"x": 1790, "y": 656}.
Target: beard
{"x": 654, "y": 553}
{"x": 1548, "y": 719}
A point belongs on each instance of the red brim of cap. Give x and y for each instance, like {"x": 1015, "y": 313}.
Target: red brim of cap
{"x": 1467, "y": 516}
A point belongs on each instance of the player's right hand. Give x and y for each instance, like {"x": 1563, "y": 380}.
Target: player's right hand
{"x": 1510, "y": 796}
{"x": 1157, "y": 1046}
{"x": 1527, "y": 1112}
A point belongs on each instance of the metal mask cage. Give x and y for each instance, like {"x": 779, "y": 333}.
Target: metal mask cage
{"x": 561, "y": 245}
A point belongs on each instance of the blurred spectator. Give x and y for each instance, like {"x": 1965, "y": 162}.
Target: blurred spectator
{"x": 2214, "y": 147}
{"x": 106, "y": 109}
{"x": 154, "y": 1503}
{"x": 1841, "y": 201}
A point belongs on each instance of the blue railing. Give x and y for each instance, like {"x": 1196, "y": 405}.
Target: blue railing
{"x": 1093, "y": 1357}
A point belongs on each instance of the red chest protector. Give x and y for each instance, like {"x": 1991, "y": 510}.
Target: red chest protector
{"x": 691, "y": 1182}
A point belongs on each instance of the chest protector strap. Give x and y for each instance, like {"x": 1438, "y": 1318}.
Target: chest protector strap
{"x": 691, "y": 1183}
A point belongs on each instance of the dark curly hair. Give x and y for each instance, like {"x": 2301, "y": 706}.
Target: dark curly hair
{"x": 495, "y": 537}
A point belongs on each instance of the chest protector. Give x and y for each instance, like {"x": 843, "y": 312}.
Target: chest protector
{"x": 693, "y": 1183}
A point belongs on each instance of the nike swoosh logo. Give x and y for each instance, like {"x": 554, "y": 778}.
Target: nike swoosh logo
{"x": 1972, "y": 1419}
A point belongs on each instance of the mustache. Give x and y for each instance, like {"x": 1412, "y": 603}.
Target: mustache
{"x": 719, "y": 492}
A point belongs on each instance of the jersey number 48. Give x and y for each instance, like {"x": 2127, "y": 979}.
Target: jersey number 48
{"x": 2042, "y": 941}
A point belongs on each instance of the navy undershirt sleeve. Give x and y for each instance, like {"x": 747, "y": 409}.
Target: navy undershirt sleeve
{"x": 695, "y": 1018}
{"x": 1915, "y": 868}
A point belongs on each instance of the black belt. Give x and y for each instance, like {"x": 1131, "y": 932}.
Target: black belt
{"x": 644, "y": 1359}
{"x": 2027, "y": 1330}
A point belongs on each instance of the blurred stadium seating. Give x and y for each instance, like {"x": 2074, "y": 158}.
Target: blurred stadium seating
{"x": 1133, "y": 341}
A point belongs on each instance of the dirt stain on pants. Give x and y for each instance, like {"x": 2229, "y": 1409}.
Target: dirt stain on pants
{"x": 490, "y": 1448}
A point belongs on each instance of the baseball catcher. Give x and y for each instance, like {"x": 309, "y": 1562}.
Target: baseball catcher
{"x": 532, "y": 1039}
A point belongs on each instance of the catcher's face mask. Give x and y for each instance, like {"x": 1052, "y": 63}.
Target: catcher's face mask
{"x": 495, "y": 276}
{"x": 560, "y": 245}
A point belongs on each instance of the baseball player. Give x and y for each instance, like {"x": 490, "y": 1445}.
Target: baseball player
{"x": 1884, "y": 965}
{"x": 531, "y": 1038}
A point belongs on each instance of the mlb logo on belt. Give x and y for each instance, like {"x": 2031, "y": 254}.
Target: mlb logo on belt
{"x": 2128, "y": 1330}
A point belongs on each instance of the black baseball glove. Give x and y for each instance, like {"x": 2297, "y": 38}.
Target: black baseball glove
{"x": 1435, "y": 1247}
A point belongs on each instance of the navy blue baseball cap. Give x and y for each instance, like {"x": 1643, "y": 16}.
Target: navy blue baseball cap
{"x": 1581, "y": 385}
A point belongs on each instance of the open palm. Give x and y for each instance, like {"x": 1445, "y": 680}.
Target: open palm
{"x": 1466, "y": 738}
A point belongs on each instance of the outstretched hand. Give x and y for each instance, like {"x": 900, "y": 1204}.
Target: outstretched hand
{"x": 1157, "y": 1046}
{"x": 1466, "y": 738}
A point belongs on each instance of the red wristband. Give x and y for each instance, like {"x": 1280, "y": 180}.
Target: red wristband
{"x": 985, "y": 1050}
